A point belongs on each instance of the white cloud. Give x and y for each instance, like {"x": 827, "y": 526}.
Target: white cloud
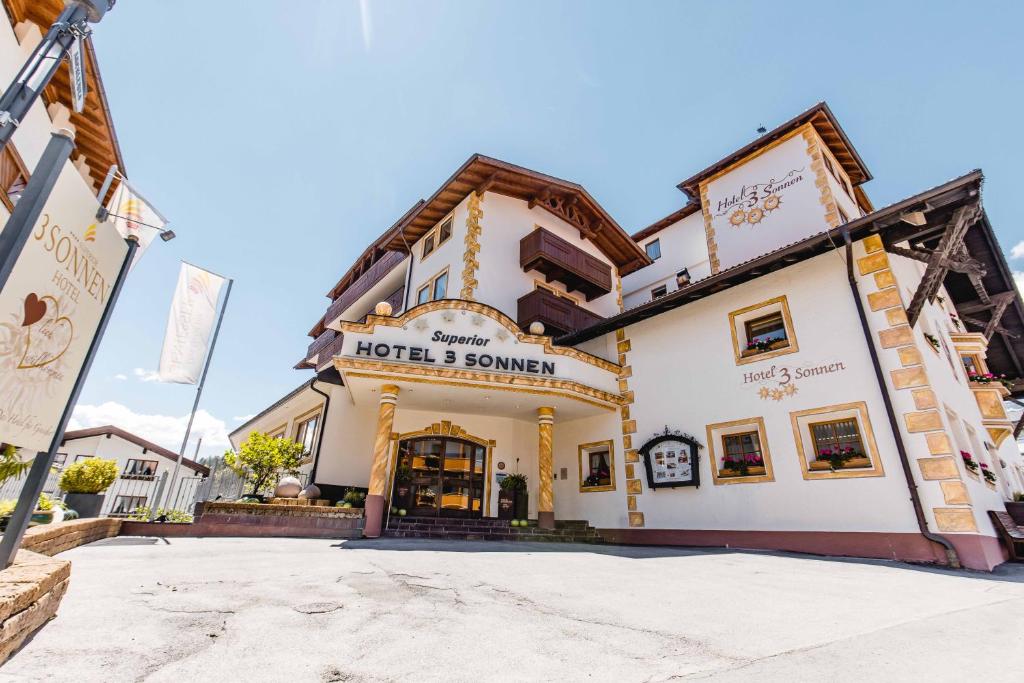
{"x": 146, "y": 375}
{"x": 1018, "y": 277}
{"x": 1018, "y": 250}
{"x": 244, "y": 418}
{"x": 165, "y": 430}
{"x": 120, "y": 376}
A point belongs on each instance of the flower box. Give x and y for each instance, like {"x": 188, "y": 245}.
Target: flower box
{"x": 775, "y": 345}
{"x": 857, "y": 462}
{"x": 752, "y": 471}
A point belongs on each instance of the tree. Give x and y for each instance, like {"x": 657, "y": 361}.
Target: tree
{"x": 11, "y": 466}
{"x": 262, "y": 456}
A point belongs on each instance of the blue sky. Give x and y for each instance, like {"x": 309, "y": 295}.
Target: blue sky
{"x": 280, "y": 138}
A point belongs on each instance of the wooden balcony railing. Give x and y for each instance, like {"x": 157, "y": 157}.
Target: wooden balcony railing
{"x": 549, "y": 254}
{"x": 328, "y": 353}
{"x": 366, "y": 281}
{"x": 320, "y": 343}
{"x": 559, "y": 315}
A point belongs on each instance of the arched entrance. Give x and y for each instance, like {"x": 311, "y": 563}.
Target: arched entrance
{"x": 440, "y": 476}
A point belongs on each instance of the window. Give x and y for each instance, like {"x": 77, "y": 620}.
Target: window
{"x": 762, "y": 331}
{"x": 739, "y": 452}
{"x": 597, "y": 466}
{"x": 972, "y": 364}
{"x": 306, "y": 431}
{"x": 836, "y": 442}
{"x": 433, "y": 289}
{"x": 125, "y": 505}
{"x": 435, "y": 238}
{"x": 428, "y": 245}
{"x": 80, "y": 458}
{"x": 654, "y": 249}
{"x": 660, "y": 290}
{"x": 140, "y": 468}
{"x": 59, "y": 459}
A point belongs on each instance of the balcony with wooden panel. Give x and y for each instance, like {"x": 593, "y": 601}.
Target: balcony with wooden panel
{"x": 560, "y": 261}
{"x": 558, "y": 314}
{"x": 326, "y": 355}
{"x": 363, "y": 284}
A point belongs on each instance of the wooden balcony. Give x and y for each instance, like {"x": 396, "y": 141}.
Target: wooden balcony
{"x": 366, "y": 281}
{"x": 549, "y": 254}
{"x": 559, "y": 315}
{"x": 321, "y": 342}
{"x": 328, "y": 353}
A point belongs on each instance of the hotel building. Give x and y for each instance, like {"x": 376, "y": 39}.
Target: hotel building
{"x": 776, "y": 364}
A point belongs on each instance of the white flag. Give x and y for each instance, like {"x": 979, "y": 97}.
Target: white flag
{"x": 189, "y": 325}
{"x": 134, "y": 217}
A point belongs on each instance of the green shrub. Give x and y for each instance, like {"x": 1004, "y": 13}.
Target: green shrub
{"x": 356, "y": 498}
{"x": 45, "y": 503}
{"x": 514, "y": 482}
{"x": 1018, "y": 497}
{"x": 141, "y": 514}
{"x": 403, "y": 474}
{"x": 92, "y": 475}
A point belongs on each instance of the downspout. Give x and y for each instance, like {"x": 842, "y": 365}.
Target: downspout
{"x": 323, "y": 425}
{"x": 901, "y": 448}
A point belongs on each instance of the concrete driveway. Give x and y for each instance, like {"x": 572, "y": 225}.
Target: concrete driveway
{"x": 316, "y": 610}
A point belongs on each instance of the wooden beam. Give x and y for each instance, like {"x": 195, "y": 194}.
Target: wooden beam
{"x": 487, "y": 184}
{"x": 1001, "y": 302}
{"x": 949, "y": 246}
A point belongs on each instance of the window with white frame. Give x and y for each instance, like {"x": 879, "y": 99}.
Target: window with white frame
{"x": 739, "y": 452}
{"x": 653, "y": 249}
{"x": 435, "y": 238}
{"x": 139, "y": 468}
{"x": 126, "y": 505}
{"x": 433, "y": 289}
{"x": 659, "y": 291}
{"x": 305, "y": 432}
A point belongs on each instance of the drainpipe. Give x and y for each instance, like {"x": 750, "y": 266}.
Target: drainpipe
{"x": 323, "y": 424}
{"x": 901, "y": 448}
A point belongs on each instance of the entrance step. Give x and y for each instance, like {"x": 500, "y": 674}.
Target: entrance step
{"x": 487, "y": 529}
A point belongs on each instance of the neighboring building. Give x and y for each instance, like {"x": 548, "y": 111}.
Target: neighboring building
{"x": 140, "y": 464}
{"x": 775, "y": 365}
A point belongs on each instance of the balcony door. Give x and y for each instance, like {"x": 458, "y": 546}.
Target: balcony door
{"x": 447, "y": 476}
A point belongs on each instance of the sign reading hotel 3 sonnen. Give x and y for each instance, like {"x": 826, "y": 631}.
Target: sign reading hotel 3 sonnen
{"x": 763, "y": 204}
{"x": 50, "y": 309}
{"x": 456, "y": 354}
{"x": 458, "y": 339}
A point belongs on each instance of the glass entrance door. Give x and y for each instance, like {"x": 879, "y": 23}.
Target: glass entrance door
{"x": 447, "y": 476}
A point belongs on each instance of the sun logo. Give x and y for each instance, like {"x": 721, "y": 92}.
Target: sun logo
{"x": 199, "y": 284}
{"x": 90, "y": 233}
{"x": 131, "y": 210}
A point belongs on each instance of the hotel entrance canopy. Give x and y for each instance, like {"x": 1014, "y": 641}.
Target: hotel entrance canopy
{"x": 463, "y": 356}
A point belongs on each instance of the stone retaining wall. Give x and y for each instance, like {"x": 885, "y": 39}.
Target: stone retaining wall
{"x": 50, "y": 539}
{"x": 253, "y": 520}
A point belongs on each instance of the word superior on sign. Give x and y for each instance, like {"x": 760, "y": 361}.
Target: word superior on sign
{"x": 419, "y": 354}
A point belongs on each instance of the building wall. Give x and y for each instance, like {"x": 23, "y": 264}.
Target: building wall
{"x": 683, "y": 245}
{"x": 689, "y": 386}
{"x": 116, "y": 448}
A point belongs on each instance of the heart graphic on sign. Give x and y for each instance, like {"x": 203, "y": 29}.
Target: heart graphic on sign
{"x": 52, "y": 337}
{"x": 34, "y": 310}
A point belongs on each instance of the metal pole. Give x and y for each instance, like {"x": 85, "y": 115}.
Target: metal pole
{"x": 156, "y": 498}
{"x": 28, "y": 209}
{"x": 37, "y": 72}
{"x": 199, "y": 389}
{"x": 102, "y": 213}
{"x": 37, "y": 475}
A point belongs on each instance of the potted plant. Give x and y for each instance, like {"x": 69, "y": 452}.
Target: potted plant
{"x": 403, "y": 487}
{"x": 353, "y": 498}
{"x": 969, "y": 462}
{"x": 742, "y": 465}
{"x": 1016, "y": 507}
{"x": 990, "y": 476}
{"x": 840, "y": 459}
{"x": 932, "y": 339}
{"x": 85, "y": 483}
{"x": 513, "y": 500}
{"x": 988, "y": 378}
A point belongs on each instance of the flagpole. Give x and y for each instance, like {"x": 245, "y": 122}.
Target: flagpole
{"x": 199, "y": 392}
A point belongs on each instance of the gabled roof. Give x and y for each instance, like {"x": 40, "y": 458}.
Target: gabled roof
{"x": 566, "y": 200}
{"x": 95, "y": 137}
{"x": 821, "y": 117}
{"x": 1006, "y": 350}
{"x": 110, "y": 430}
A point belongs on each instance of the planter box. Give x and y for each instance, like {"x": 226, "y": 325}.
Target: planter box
{"x": 403, "y": 496}
{"x": 774, "y": 346}
{"x": 751, "y": 472}
{"x": 857, "y": 463}
{"x": 85, "y": 504}
{"x": 522, "y": 505}
{"x": 1016, "y": 511}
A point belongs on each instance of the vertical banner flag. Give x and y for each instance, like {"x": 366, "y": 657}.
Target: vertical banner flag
{"x": 193, "y": 312}
{"x": 50, "y": 310}
{"x": 133, "y": 216}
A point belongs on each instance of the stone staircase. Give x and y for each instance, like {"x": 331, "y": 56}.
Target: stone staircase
{"x": 565, "y": 531}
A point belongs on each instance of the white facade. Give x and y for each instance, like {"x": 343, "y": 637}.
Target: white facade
{"x": 761, "y": 349}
